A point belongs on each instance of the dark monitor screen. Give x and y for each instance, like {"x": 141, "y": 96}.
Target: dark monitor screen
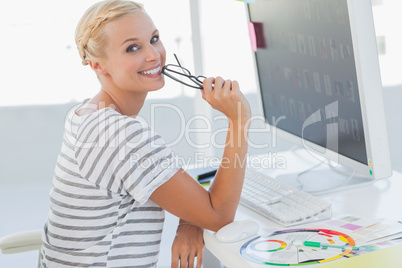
{"x": 307, "y": 73}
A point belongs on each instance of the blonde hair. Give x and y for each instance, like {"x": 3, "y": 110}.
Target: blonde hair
{"x": 90, "y": 35}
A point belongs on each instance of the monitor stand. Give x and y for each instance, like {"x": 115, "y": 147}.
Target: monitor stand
{"x": 314, "y": 176}
{"x": 324, "y": 181}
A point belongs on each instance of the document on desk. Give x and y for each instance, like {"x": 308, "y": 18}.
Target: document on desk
{"x": 278, "y": 248}
{"x": 385, "y": 255}
{"x": 364, "y": 230}
{"x": 289, "y": 247}
{"x": 323, "y": 242}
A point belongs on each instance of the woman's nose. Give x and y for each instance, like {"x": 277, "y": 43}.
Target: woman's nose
{"x": 152, "y": 53}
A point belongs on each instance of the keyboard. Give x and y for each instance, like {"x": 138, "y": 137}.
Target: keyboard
{"x": 280, "y": 202}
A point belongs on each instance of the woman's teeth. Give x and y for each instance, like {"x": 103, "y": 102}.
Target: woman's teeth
{"x": 154, "y": 71}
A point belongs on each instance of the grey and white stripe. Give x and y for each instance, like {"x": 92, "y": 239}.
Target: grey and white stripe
{"x": 100, "y": 212}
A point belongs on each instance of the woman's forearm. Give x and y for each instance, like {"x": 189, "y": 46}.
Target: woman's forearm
{"x": 226, "y": 188}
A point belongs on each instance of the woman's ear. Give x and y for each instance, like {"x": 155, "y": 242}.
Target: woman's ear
{"x": 97, "y": 67}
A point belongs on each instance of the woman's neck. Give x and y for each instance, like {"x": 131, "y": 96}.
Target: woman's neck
{"x": 126, "y": 103}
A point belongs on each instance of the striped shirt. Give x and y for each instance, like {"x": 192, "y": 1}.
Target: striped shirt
{"x": 100, "y": 211}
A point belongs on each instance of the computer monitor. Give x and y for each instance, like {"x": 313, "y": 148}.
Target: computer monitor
{"x": 319, "y": 81}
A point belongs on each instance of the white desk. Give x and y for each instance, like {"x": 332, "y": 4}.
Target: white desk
{"x": 382, "y": 199}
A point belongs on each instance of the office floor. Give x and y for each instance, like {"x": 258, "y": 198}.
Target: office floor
{"x": 24, "y": 200}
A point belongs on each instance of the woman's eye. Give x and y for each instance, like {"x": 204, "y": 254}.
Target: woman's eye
{"x": 154, "y": 39}
{"x": 132, "y": 48}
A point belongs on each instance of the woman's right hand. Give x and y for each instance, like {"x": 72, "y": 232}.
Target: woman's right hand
{"x": 226, "y": 97}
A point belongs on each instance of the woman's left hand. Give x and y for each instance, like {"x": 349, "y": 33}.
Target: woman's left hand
{"x": 188, "y": 244}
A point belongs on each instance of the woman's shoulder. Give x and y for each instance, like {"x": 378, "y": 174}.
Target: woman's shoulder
{"x": 109, "y": 122}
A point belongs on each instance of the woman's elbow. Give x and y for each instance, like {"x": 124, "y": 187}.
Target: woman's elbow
{"x": 219, "y": 222}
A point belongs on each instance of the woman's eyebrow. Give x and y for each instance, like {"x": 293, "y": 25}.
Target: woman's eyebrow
{"x": 130, "y": 39}
{"x": 135, "y": 39}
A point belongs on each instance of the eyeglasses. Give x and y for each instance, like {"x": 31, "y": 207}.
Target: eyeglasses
{"x": 182, "y": 75}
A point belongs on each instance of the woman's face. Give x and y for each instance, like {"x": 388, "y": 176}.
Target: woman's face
{"x": 134, "y": 54}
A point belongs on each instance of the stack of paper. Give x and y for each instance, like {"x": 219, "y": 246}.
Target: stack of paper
{"x": 364, "y": 231}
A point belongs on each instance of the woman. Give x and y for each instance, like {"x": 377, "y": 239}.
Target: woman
{"x": 114, "y": 176}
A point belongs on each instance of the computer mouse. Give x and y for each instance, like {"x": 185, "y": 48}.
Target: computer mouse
{"x": 237, "y": 231}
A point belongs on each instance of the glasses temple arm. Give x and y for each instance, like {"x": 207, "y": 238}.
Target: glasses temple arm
{"x": 178, "y": 62}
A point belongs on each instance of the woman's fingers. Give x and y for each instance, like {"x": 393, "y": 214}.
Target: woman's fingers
{"x": 200, "y": 256}
{"x": 190, "y": 260}
{"x": 227, "y": 87}
{"x": 188, "y": 245}
{"x": 207, "y": 87}
{"x": 226, "y": 97}
{"x": 235, "y": 85}
{"x": 175, "y": 259}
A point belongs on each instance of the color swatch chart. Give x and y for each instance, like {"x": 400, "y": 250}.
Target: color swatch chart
{"x": 277, "y": 248}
